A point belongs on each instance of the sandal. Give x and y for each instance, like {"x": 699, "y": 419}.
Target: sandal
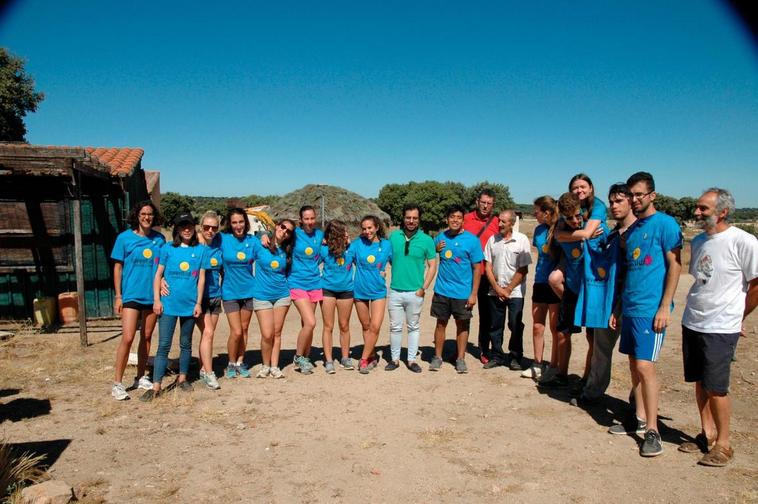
{"x": 717, "y": 457}
{"x": 700, "y": 444}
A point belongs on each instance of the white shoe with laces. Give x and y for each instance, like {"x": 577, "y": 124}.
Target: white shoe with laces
{"x": 144, "y": 383}
{"x": 118, "y": 391}
{"x": 534, "y": 372}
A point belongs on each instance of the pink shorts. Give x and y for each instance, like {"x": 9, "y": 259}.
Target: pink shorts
{"x": 314, "y": 296}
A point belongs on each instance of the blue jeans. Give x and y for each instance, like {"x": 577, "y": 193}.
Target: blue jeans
{"x": 404, "y": 307}
{"x": 515, "y": 310}
{"x": 166, "y": 326}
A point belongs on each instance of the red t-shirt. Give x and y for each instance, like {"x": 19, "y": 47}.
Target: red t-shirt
{"x": 473, "y": 224}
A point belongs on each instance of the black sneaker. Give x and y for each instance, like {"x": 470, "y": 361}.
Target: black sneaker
{"x": 492, "y": 363}
{"x": 638, "y": 427}
{"x": 413, "y": 366}
{"x": 651, "y": 446}
{"x": 186, "y": 386}
{"x": 391, "y": 366}
{"x": 149, "y": 395}
{"x": 558, "y": 381}
{"x": 515, "y": 364}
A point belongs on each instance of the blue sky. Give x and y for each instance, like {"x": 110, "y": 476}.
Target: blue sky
{"x": 234, "y": 98}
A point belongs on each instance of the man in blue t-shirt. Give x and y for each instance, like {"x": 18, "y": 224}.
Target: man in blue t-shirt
{"x": 651, "y": 258}
{"x": 456, "y": 287}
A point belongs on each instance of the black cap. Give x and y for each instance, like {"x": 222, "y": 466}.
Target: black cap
{"x": 184, "y": 218}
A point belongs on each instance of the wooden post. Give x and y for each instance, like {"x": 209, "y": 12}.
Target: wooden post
{"x": 78, "y": 261}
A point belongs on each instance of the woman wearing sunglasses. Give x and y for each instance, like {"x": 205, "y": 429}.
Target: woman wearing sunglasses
{"x": 211, "y": 306}
{"x": 337, "y": 285}
{"x": 271, "y": 294}
{"x": 135, "y": 255}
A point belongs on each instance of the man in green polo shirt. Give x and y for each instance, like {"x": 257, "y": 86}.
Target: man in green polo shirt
{"x": 412, "y": 253}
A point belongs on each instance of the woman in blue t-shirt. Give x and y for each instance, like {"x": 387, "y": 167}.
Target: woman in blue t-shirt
{"x": 337, "y": 285}
{"x": 211, "y": 307}
{"x": 181, "y": 263}
{"x": 304, "y": 281}
{"x": 371, "y": 254}
{"x": 237, "y": 253}
{"x": 271, "y": 294}
{"x": 135, "y": 255}
{"x": 545, "y": 302}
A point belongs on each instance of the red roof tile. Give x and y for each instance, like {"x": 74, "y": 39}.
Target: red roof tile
{"x": 120, "y": 161}
{"x": 115, "y": 161}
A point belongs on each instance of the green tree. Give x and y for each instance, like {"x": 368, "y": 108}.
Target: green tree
{"x": 172, "y": 204}
{"x": 17, "y": 97}
{"x": 502, "y": 193}
{"x": 433, "y": 197}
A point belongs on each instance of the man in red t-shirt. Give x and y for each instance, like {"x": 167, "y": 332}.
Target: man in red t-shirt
{"x": 483, "y": 223}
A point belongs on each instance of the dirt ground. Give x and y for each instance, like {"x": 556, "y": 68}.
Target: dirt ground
{"x": 488, "y": 435}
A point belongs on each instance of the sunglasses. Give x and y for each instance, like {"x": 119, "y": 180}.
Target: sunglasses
{"x": 206, "y": 227}
{"x": 285, "y": 228}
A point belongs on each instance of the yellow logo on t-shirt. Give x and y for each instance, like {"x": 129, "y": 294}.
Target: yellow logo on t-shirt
{"x": 147, "y": 253}
{"x": 340, "y": 261}
{"x": 545, "y": 248}
{"x": 370, "y": 259}
{"x": 274, "y": 264}
{"x": 601, "y": 272}
{"x": 214, "y": 261}
{"x": 241, "y": 256}
{"x": 576, "y": 253}
{"x": 184, "y": 265}
{"x": 448, "y": 254}
{"x": 308, "y": 251}
{"x": 636, "y": 253}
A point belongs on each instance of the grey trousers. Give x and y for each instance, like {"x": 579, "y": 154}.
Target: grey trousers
{"x": 600, "y": 365}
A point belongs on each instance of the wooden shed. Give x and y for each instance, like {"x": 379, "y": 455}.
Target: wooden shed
{"x": 59, "y": 207}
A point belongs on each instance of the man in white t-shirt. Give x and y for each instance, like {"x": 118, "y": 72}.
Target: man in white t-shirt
{"x": 724, "y": 263}
{"x": 507, "y": 256}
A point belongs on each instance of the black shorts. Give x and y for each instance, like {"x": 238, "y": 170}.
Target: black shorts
{"x": 235, "y": 305}
{"x": 337, "y": 294}
{"x": 211, "y": 305}
{"x": 444, "y": 307}
{"x": 566, "y": 312}
{"x": 543, "y": 294}
{"x": 708, "y": 358}
{"x": 134, "y": 305}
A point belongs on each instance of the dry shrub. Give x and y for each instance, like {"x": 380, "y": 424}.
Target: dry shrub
{"x": 18, "y": 471}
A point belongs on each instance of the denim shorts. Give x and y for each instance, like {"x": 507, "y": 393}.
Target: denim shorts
{"x": 265, "y": 304}
{"x": 236, "y": 305}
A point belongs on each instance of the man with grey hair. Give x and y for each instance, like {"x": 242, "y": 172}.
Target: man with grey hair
{"x": 507, "y": 256}
{"x": 724, "y": 263}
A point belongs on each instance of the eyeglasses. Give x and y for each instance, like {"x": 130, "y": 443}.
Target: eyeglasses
{"x": 639, "y": 196}
{"x": 207, "y": 227}
{"x": 141, "y": 214}
{"x": 284, "y": 227}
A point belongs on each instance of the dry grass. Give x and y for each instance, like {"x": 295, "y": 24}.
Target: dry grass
{"x": 17, "y": 471}
{"x": 438, "y": 435}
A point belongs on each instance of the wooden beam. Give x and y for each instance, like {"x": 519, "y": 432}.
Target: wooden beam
{"x": 79, "y": 262}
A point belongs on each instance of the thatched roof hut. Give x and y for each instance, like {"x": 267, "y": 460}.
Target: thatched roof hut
{"x": 339, "y": 203}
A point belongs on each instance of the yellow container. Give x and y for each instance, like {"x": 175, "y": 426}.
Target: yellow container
{"x": 44, "y": 311}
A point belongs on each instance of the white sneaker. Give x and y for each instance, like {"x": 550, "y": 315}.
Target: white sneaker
{"x": 276, "y": 373}
{"x": 118, "y": 391}
{"x": 548, "y": 374}
{"x": 210, "y": 380}
{"x": 534, "y": 372}
{"x": 144, "y": 383}
{"x": 263, "y": 372}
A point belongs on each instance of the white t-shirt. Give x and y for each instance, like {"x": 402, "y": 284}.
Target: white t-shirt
{"x": 722, "y": 265}
{"x": 506, "y": 257}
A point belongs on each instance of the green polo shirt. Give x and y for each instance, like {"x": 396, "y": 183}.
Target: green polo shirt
{"x": 408, "y": 270}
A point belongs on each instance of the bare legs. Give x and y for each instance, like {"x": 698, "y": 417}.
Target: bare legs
{"x": 207, "y": 325}
{"x": 271, "y": 323}
{"x": 239, "y": 323}
{"x": 371, "y": 316}
{"x": 130, "y": 320}
{"x": 343, "y": 307}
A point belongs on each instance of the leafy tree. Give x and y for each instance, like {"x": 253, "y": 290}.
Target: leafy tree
{"x": 502, "y": 193}
{"x": 172, "y": 204}
{"x": 258, "y": 200}
{"x": 433, "y": 197}
{"x": 17, "y": 97}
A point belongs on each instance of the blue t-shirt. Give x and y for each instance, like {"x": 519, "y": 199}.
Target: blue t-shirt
{"x": 595, "y": 296}
{"x": 454, "y": 277}
{"x": 270, "y": 274}
{"x": 212, "y": 264}
{"x": 574, "y": 253}
{"x": 238, "y": 255}
{"x": 647, "y": 242}
{"x": 370, "y": 260}
{"x": 545, "y": 262}
{"x": 182, "y": 267}
{"x": 304, "y": 273}
{"x": 599, "y": 211}
{"x": 140, "y": 256}
{"x": 337, "y": 275}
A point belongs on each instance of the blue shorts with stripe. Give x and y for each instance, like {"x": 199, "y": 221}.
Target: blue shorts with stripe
{"x": 639, "y": 339}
